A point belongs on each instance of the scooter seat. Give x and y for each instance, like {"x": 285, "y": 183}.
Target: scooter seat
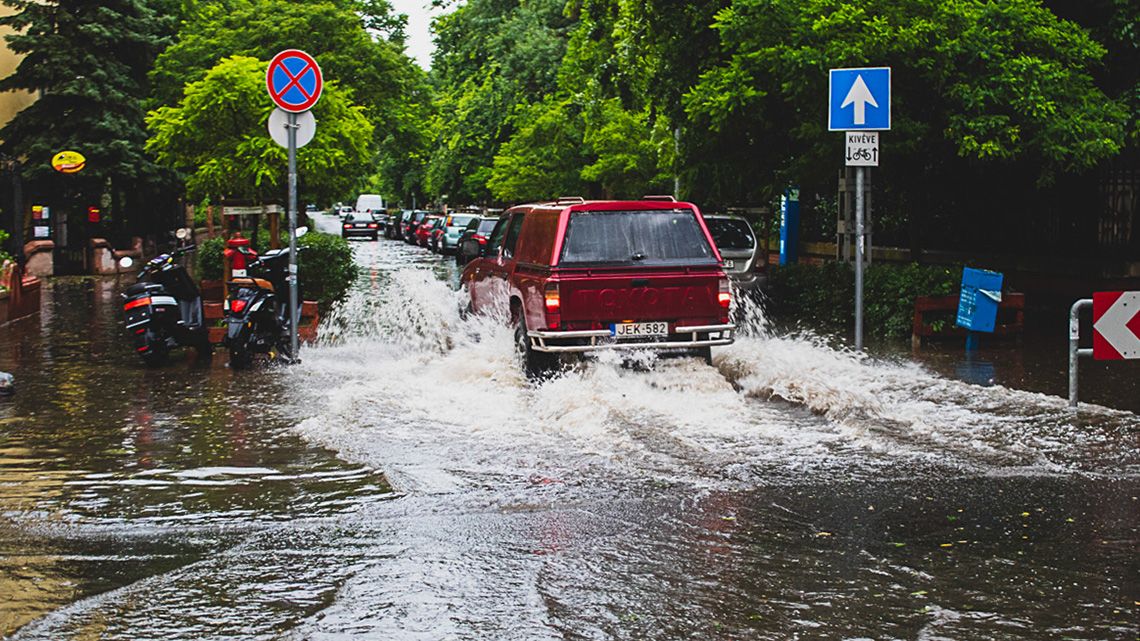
{"x": 259, "y": 283}
{"x": 140, "y": 288}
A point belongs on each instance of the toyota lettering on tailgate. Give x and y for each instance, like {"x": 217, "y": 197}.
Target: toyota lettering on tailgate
{"x": 620, "y": 300}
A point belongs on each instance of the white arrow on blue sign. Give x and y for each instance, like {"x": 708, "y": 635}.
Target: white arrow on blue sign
{"x": 859, "y": 99}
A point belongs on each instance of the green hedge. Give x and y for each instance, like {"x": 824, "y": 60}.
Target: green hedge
{"x": 325, "y": 267}
{"x": 823, "y": 296}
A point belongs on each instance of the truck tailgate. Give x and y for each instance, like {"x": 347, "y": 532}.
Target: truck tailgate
{"x": 640, "y": 294}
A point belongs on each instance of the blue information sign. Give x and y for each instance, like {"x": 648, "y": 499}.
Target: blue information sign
{"x": 859, "y": 99}
{"x": 978, "y": 303}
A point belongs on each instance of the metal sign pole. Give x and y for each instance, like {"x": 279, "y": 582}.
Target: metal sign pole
{"x": 292, "y": 126}
{"x": 859, "y": 249}
{"x": 1074, "y": 347}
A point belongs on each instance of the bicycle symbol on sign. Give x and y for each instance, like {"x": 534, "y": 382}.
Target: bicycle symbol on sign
{"x": 868, "y": 155}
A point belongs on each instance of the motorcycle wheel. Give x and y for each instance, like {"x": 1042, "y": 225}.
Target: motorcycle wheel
{"x": 240, "y": 358}
{"x": 156, "y": 352}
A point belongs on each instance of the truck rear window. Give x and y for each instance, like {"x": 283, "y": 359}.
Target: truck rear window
{"x": 650, "y": 237}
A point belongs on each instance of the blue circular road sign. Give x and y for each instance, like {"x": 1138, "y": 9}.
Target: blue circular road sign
{"x": 294, "y": 81}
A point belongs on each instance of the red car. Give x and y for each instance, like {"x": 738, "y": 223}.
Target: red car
{"x": 424, "y": 229}
{"x": 576, "y": 276}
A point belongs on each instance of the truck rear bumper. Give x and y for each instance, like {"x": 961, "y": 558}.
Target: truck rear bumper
{"x": 558, "y": 342}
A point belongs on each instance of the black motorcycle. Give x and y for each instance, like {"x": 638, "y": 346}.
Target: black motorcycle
{"x": 257, "y": 316}
{"x": 164, "y": 308}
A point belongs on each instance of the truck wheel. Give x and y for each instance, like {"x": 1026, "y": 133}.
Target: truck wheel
{"x": 535, "y": 364}
{"x": 705, "y": 354}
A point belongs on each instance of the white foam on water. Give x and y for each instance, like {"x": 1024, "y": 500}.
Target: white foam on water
{"x": 437, "y": 401}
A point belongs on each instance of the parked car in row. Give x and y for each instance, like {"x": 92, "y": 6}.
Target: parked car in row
{"x": 451, "y": 230}
{"x": 425, "y": 228}
{"x": 410, "y": 225}
{"x": 743, "y": 261}
{"x": 474, "y": 238}
{"x": 360, "y": 224}
{"x": 392, "y": 230}
{"x": 577, "y": 276}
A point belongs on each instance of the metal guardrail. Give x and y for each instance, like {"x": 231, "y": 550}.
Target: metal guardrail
{"x": 1075, "y": 352}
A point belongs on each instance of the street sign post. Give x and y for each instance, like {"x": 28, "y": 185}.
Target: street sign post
{"x": 1116, "y": 325}
{"x": 859, "y": 100}
{"x": 295, "y": 83}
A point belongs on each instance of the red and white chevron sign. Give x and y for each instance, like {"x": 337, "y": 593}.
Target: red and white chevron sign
{"x": 1116, "y": 325}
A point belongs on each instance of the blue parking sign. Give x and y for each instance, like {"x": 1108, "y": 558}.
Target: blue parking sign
{"x": 859, "y": 99}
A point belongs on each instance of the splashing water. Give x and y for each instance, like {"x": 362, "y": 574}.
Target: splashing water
{"x": 408, "y": 372}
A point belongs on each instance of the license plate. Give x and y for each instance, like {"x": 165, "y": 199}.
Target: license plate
{"x": 361, "y": 225}
{"x": 728, "y": 264}
{"x": 636, "y": 330}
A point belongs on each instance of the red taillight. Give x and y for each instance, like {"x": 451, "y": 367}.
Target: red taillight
{"x": 373, "y": 225}
{"x": 138, "y": 302}
{"x": 237, "y": 305}
{"x": 552, "y": 300}
{"x": 482, "y": 239}
{"x": 724, "y": 296}
{"x": 347, "y": 226}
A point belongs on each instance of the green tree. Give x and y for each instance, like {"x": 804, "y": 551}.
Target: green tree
{"x": 983, "y": 81}
{"x": 495, "y": 58}
{"x": 88, "y": 63}
{"x": 340, "y": 35}
{"x": 217, "y": 135}
{"x": 544, "y": 158}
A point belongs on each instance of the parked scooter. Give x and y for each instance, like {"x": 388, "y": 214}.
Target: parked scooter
{"x": 257, "y": 316}
{"x": 164, "y": 308}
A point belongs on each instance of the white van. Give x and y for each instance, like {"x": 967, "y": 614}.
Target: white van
{"x": 370, "y": 202}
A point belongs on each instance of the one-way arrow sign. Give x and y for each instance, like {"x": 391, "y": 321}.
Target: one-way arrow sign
{"x": 860, "y": 96}
{"x": 1116, "y": 325}
{"x": 859, "y": 99}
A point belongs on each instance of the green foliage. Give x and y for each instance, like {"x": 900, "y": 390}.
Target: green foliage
{"x": 495, "y": 60}
{"x": 823, "y": 296}
{"x": 628, "y": 157}
{"x": 217, "y": 136}
{"x": 991, "y": 82}
{"x": 373, "y": 73}
{"x": 4, "y": 255}
{"x": 208, "y": 258}
{"x": 543, "y": 159}
{"x": 87, "y": 62}
{"x": 325, "y": 268}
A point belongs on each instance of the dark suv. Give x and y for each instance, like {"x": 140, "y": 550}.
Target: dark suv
{"x": 578, "y": 276}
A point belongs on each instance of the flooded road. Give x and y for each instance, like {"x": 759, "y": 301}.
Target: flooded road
{"x": 405, "y": 482}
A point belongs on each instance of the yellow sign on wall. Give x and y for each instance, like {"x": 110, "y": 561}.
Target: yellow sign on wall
{"x": 69, "y": 162}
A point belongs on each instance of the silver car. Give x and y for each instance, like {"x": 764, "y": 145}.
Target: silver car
{"x": 453, "y": 229}
{"x": 743, "y": 262}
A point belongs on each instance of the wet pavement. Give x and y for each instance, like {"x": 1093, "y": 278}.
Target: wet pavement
{"x": 405, "y": 482}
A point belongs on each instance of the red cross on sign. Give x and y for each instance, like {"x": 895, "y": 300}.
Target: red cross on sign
{"x": 294, "y": 81}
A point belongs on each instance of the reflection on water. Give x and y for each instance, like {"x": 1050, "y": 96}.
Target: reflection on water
{"x": 791, "y": 491}
{"x": 96, "y": 448}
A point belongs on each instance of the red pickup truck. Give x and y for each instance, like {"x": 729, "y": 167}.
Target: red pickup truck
{"x": 578, "y": 276}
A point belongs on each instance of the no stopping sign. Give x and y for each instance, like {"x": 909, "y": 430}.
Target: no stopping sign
{"x": 294, "y": 81}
